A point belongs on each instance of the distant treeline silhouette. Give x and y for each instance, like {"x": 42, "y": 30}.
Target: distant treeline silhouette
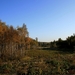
{"x": 62, "y": 45}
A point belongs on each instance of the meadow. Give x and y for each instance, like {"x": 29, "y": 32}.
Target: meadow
{"x": 39, "y": 62}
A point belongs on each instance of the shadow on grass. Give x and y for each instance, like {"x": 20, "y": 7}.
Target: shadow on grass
{"x": 61, "y": 51}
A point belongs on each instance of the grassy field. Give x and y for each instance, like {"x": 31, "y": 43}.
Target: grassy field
{"x": 40, "y": 62}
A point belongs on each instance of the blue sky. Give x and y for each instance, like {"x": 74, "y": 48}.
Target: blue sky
{"x": 46, "y": 19}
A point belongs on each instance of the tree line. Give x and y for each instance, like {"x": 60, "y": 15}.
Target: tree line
{"x": 15, "y": 40}
{"x": 68, "y": 44}
{"x": 62, "y": 45}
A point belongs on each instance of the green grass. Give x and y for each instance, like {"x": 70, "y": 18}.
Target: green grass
{"x": 41, "y": 62}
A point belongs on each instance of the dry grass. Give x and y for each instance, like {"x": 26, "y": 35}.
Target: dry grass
{"x": 41, "y": 62}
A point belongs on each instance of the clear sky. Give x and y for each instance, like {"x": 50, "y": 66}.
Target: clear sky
{"x": 46, "y": 19}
